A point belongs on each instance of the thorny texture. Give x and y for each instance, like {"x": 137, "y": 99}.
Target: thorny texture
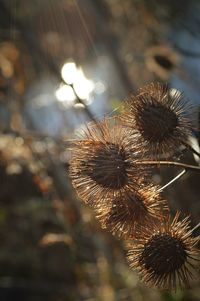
{"x": 158, "y": 117}
{"x": 109, "y": 174}
{"x": 123, "y": 216}
{"x": 166, "y": 255}
{"x": 103, "y": 165}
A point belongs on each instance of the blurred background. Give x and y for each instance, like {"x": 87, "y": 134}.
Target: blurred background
{"x": 64, "y": 63}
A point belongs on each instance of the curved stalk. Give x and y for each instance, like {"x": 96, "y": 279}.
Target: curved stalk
{"x": 173, "y": 180}
{"x": 192, "y": 150}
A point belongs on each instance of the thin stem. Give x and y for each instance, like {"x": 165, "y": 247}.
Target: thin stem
{"x": 169, "y": 163}
{"x": 197, "y": 226}
{"x": 192, "y": 150}
{"x": 173, "y": 180}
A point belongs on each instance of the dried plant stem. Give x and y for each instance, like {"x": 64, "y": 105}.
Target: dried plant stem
{"x": 173, "y": 180}
{"x": 196, "y": 227}
{"x": 192, "y": 150}
{"x": 188, "y": 167}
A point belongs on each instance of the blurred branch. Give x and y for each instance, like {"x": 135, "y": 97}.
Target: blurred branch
{"x": 36, "y": 286}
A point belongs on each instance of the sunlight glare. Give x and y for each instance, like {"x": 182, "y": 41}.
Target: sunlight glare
{"x": 69, "y": 72}
{"x": 82, "y": 85}
{"x": 75, "y": 76}
{"x": 66, "y": 95}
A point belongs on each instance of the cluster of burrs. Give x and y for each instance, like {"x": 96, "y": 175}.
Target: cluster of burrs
{"x": 111, "y": 168}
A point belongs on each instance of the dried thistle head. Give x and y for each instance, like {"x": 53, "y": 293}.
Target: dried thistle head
{"x": 123, "y": 215}
{"x": 103, "y": 163}
{"x": 161, "y": 60}
{"x": 159, "y": 116}
{"x": 165, "y": 256}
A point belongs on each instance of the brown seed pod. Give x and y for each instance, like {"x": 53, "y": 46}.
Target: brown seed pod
{"x": 166, "y": 255}
{"x": 159, "y": 116}
{"x": 103, "y": 163}
{"x": 123, "y": 215}
{"x": 161, "y": 60}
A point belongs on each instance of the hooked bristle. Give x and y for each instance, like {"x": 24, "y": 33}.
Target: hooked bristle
{"x": 159, "y": 116}
{"x": 125, "y": 214}
{"x": 165, "y": 256}
{"x": 104, "y": 163}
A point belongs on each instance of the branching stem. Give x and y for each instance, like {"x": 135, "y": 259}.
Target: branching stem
{"x": 169, "y": 163}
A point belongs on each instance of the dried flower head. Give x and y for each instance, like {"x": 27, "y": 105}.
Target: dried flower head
{"x": 159, "y": 116}
{"x": 103, "y": 163}
{"x": 123, "y": 215}
{"x": 161, "y": 60}
{"x": 165, "y": 256}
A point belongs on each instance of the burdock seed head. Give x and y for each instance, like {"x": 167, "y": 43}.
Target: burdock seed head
{"x": 159, "y": 116}
{"x": 125, "y": 214}
{"x": 165, "y": 256}
{"x": 103, "y": 163}
{"x": 161, "y": 60}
